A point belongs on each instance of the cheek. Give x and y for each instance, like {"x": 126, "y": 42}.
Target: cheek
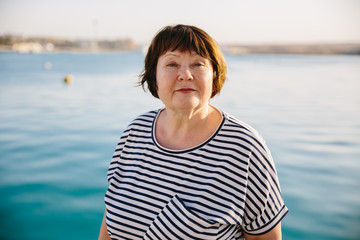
{"x": 158, "y": 81}
{"x": 210, "y": 82}
{"x": 162, "y": 86}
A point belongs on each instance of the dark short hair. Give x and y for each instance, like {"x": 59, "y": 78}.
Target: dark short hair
{"x": 183, "y": 38}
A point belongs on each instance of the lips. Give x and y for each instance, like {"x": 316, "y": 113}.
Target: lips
{"x": 185, "y": 90}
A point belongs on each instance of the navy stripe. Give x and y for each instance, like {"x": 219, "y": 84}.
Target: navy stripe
{"x": 138, "y": 186}
{"x": 136, "y": 124}
{"x": 189, "y": 226}
{"x": 165, "y": 225}
{"x": 213, "y": 215}
{"x": 139, "y": 136}
{"x": 259, "y": 188}
{"x": 137, "y": 200}
{"x": 243, "y": 154}
{"x": 173, "y": 224}
{"x": 214, "y": 209}
{"x": 135, "y": 220}
{"x": 226, "y": 231}
{"x": 241, "y": 136}
{"x": 265, "y": 170}
{"x": 130, "y": 204}
{"x": 161, "y": 231}
{"x": 139, "y": 193}
{"x": 111, "y": 226}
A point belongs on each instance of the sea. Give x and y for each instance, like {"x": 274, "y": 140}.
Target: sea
{"x": 57, "y": 138}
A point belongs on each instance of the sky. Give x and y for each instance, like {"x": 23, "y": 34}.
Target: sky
{"x": 227, "y": 21}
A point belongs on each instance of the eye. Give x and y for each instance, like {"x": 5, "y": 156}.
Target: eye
{"x": 199, "y": 64}
{"x": 171, "y": 64}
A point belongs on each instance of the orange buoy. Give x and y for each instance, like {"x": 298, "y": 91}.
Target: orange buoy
{"x": 69, "y": 78}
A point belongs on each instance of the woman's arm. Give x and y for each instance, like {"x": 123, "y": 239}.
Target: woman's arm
{"x": 274, "y": 234}
{"x": 103, "y": 230}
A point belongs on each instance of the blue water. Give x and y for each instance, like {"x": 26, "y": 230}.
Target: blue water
{"x": 56, "y": 140}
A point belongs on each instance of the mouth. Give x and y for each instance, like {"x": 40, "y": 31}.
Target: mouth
{"x": 185, "y": 90}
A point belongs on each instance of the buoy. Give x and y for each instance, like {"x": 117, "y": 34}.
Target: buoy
{"x": 47, "y": 65}
{"x": 69, "y": 78}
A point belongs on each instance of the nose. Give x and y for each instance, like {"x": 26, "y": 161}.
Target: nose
{"x": 185, "y": 74}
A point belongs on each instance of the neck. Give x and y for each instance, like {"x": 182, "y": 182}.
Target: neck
{"x": 184, "y": 121}
{"x": 180, "y": 129}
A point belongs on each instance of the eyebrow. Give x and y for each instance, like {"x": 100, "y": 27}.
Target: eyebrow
{"x": 193, "y": 53}
{"x": 170, "y": 54}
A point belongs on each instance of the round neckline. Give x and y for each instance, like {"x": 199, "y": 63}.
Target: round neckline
{"x": 186, "y": 150}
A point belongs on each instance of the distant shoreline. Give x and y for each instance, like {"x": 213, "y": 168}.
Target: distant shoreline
{"x": 326, "y": 49}
{"x": 68, "y": 50}
{"x": 40, "y": 45}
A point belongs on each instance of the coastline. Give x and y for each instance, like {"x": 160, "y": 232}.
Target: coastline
{"x": 229, "y": 49}
{"x": 317, "y": 49}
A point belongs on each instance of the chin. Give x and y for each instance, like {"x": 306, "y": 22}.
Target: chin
{"x": 187, "y": 106}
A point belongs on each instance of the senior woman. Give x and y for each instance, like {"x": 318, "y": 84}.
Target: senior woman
{"x": 189, "y": 170}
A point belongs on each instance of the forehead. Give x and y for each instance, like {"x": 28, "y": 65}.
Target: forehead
{"x": 178, "y": 53}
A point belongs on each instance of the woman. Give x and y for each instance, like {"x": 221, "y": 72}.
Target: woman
{"x": 189, "y": 170}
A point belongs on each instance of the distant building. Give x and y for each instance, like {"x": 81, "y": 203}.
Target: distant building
{"x": 27, "y": 47}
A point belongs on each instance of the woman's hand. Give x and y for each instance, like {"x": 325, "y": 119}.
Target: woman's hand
{"x": 274, "y": 234}
{"x": 103, "y": 230}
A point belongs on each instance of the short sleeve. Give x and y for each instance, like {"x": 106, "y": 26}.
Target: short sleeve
{"x": 117, "y": 153}
{"x": 140, "y": 123}
{"x": 264, "y": 205}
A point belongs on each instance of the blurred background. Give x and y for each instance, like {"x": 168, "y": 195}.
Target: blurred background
{"x": 68, "y": 71}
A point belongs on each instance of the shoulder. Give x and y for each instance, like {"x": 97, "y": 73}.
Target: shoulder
{"x": 145, "y": 119}
{"x": 142, "y": 122}
{"x": 236, "y": 123}
{"x": 141, "y": 127}
{"x": 235, "y": 128}
{"x": 260, "y": 154}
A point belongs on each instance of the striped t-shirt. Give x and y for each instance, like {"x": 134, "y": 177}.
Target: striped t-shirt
{"x": 216, "y": 190}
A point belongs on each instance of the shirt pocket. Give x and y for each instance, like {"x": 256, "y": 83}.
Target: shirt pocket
{"x": 176, "y": 221}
